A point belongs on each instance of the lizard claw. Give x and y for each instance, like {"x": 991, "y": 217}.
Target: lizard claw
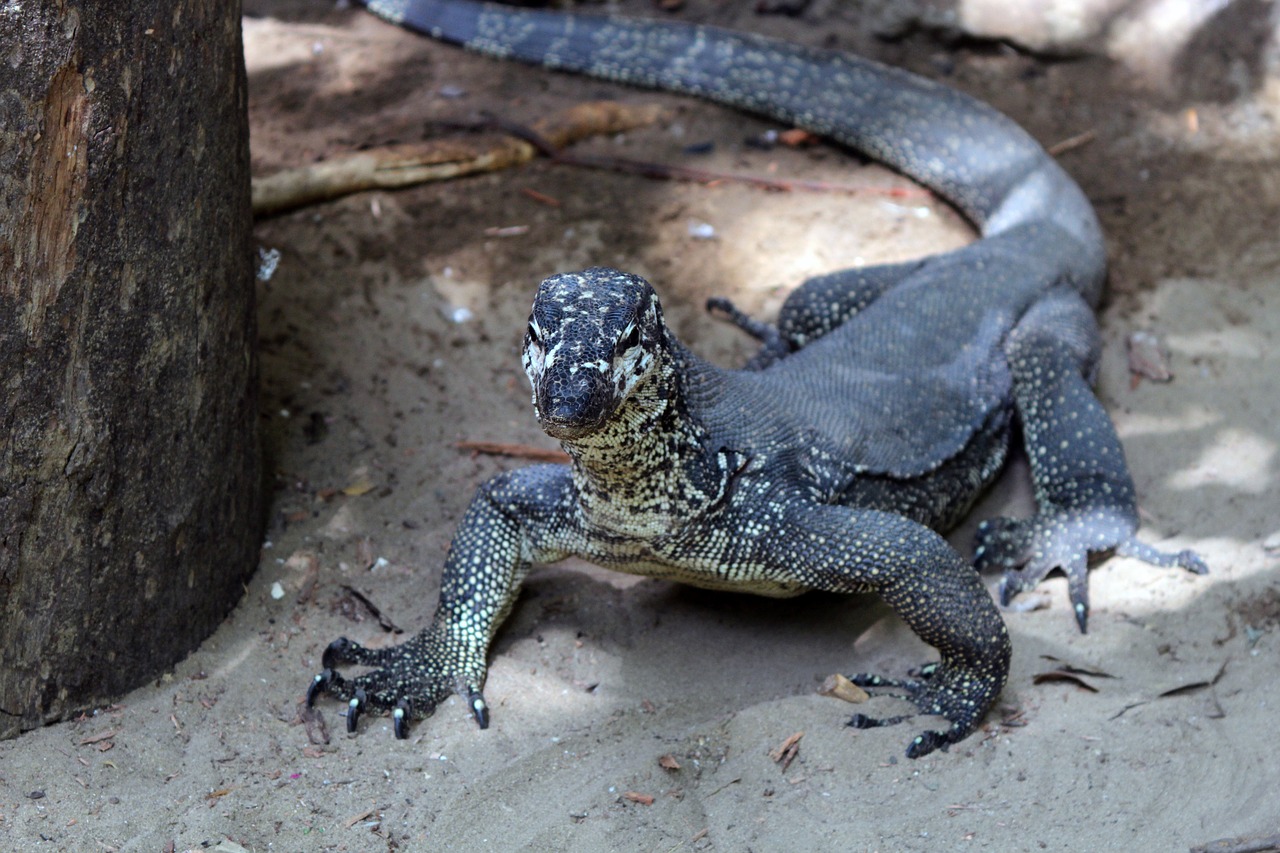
{"x": 925, "y": 742}
{"x": 353, "y": 709}
{"x": 399, "y": 719}
{"x": 479, "y": 710}
{"x": 1078, "y": 593}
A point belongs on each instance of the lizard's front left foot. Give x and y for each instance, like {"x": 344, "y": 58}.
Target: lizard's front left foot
{"x": 411, "y": 680}
{"x": 1027, "y": 550}
{"x": 960, "y": 694}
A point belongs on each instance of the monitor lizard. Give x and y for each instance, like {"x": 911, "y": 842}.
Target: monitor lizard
{"x": 882, "y": 402}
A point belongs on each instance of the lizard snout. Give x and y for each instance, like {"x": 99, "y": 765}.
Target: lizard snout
{"x": 570, "y": 407}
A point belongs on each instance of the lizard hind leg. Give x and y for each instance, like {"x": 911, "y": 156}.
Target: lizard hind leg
{"x": 1085, "y": 499}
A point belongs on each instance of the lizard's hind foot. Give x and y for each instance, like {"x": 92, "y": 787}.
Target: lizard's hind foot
{"x": 1027, "y": 550}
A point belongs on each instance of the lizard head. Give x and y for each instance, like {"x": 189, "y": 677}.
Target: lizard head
{"x": 593, "y": 337}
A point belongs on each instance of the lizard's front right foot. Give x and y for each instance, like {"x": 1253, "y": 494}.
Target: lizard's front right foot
{"x": 411, "y": 680}
{"x": 960, "y": 694}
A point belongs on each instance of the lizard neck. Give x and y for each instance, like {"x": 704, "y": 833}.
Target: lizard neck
{"x": 649, "y": 468}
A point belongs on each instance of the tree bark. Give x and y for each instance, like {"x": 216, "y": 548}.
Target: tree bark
{"x": 130, "y": 493}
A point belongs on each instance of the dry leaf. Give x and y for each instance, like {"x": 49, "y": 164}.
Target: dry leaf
{"x": 796, "y": 137}
{"x": 358, "y": 488}
{"x": 1148, "y": 357}
{"x": 317, "y": 729}
{"x": 668, "y": 762}
{"x": 1063, "y": 675}
{"x": 353, "y": 821}
{"x": 636, "y": 797}
{"x": 1195, "y": 685}
{"x": 787, "y": 751}
{"x": 1076, "y": 670}
{"x": 303, "y": 561}
{"x": 109, "y": 733}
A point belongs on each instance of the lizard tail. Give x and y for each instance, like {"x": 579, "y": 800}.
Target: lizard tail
{"x": 969, "y": 153}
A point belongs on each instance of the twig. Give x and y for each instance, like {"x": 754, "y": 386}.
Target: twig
{"x": 1072, "y": 142}
{"x": 519, "y": 451}
{"x": 404, "y": 165}
{"x": 670, "y": 172}
{"x": 384, "y": 621}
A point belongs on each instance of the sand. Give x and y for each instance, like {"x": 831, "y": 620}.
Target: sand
{"x": 632, "y": 714}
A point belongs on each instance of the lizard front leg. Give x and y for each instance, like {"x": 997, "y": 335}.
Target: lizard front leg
{"x": 512, "y": 521}
{"x": 1084, "y": 494}
{"x": 929, "y": 585}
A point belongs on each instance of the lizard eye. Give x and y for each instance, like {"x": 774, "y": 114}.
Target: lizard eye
{"x": 631, "y": 340}
{"x": 532, "y": 332}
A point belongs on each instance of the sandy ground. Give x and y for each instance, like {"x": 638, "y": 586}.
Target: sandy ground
{"x": 369, "y": 381}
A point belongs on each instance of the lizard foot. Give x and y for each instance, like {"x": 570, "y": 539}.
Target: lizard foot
{"x": 946, "y": 690}
{"x": 1027, "y": 550}
{"x": 773, "y": 345}
{"x": 411, "y": 680}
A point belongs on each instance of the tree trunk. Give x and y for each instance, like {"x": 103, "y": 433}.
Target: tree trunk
{"x": 130, "y": 499}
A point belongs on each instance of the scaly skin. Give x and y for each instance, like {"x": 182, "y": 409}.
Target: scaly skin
{"x": 880, "y": 406}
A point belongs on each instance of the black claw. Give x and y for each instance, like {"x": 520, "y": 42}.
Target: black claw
{"x": 400, "y": 719}
{"x": 1082, "y": 616}
{"x": 1078, "y": 594}
{"x": 353, "y": 709}
{"x": 862, "y": 721}
{"x": 1006, "y": 592}
{"x": 479, "y": 709}
{"x": 318, "y": 685}
{"x": 335, "y": 653}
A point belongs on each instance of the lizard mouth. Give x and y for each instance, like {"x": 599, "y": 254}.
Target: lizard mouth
{"x": 575, "y": 412}
{"x": 567, "y": 431}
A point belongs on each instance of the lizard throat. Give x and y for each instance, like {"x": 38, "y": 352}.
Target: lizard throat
{"x": 632, "y": 474}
